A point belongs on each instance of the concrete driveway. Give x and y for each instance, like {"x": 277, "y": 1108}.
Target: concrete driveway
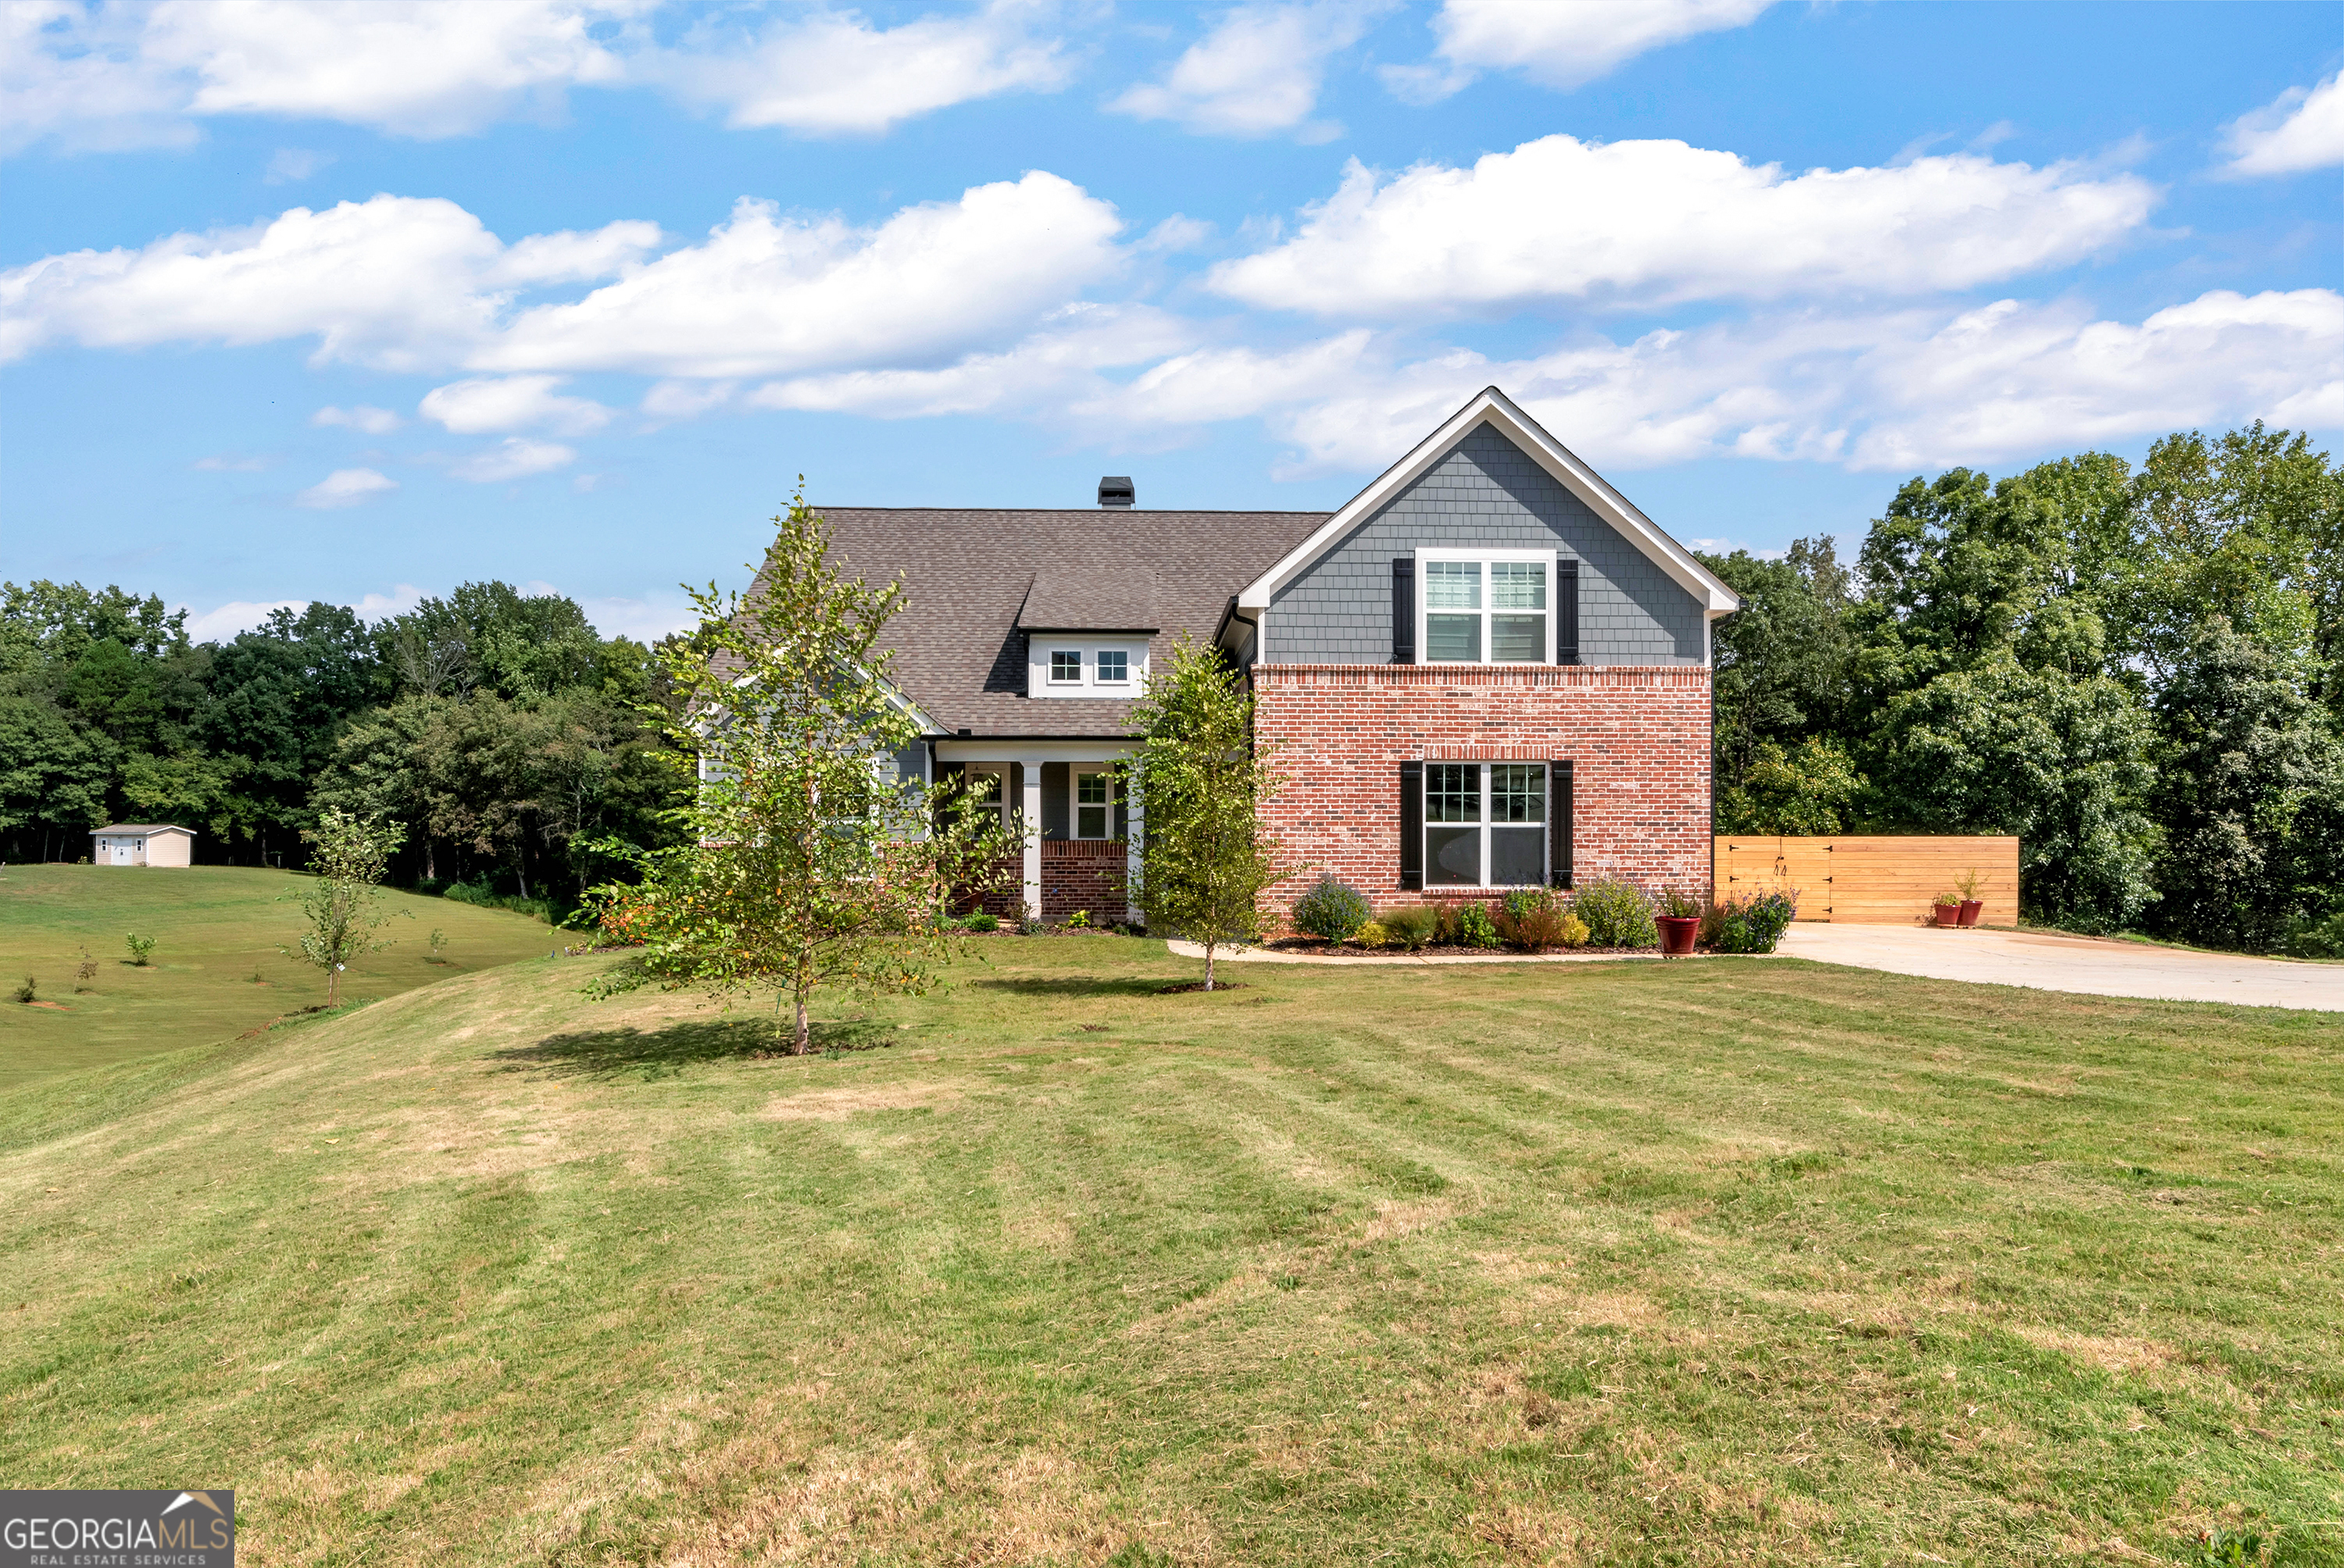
{"x": 2071, "y": 963}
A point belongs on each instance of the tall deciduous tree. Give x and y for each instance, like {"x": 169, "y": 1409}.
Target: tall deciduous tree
{"x": 811, "y": 858}
{"x": 1201, "y": 782}
{"x": 344, "y": 904}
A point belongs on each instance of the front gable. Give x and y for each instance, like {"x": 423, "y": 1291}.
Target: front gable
{"x": 1488, "y": 479}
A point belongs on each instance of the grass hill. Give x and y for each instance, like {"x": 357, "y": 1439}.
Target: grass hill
{"x": 1739, "y": 1260}
{"x": 216, "y": 969}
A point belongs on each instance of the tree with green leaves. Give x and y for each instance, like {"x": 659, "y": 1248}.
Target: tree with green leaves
{"x": 344, "y": 902}
{"x": 811, "y": 854}
{"x": 1201, "y": 782}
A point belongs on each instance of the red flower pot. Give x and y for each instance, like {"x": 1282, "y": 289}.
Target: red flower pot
{"x": 1949, "y": 916}
{"x": 1971, "y": 909}
{"x": 1677, "y": 934}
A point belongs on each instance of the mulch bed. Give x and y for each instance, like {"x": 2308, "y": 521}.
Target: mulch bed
{"x": 1219, "y": 986}
{"x": 1312, "y": 945}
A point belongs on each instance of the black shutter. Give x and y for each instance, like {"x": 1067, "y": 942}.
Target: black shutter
{"x": 1403, "y": 610}
{"x": 950, "y": 778}
{"x": 1558, "y": 825}
{"x": 1411, "y": 824}
{"x": 1566, "y": 607}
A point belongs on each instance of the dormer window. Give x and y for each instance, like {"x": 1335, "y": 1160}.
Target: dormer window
{"x": 1060, "y": 664}
{"x": 1066, "y": 666}
{"x": 1487, "y": 606}
{"x": 1114, "y": 667}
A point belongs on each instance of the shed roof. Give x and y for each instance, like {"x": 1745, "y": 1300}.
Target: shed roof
{"x": 138, "y": 828}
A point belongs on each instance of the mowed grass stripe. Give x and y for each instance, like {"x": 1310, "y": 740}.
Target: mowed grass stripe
{"x": 1748, "y": 1260}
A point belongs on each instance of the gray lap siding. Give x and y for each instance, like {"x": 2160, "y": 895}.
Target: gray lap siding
{"x": 1486, "y": 492}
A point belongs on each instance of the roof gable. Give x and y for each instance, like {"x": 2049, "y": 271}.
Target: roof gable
{"x": 1493, "y": 407}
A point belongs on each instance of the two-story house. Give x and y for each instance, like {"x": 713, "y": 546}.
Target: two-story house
{"x": 1488, "y": 668}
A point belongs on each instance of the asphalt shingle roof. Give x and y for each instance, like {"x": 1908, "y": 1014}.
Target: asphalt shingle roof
{"x": 959, "y": 641}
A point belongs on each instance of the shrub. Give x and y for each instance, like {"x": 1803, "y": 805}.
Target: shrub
{"x": 1411, "y": 926}
{"x": 1080, "y": 920}
{"x": 2318, "y": 938}
{"x": 1473, "y": 925}
{"x": 1677, "y": 903}
{"x": 983, "y": 920}
{"x": 30, "y": 988}
{"x": 1522, "y": 900}
{"x": 1574, "y": 930}
{"x": 1537, "y": 929}
{"x": 1616, "y": 913}
{"x": 1754, "y": 924}
{"x": 1372, "y": 934}
{"x": 141, "y": 948}
{"x": 1331, "y": 910}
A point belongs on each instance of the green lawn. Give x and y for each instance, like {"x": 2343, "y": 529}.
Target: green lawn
{"x": 1732, "y": 1261}
{"x": 216, "y": 927}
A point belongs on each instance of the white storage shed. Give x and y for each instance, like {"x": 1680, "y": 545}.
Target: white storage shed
{"x": 142, "y": 843}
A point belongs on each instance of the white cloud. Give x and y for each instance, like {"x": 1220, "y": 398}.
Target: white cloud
{"x": 645, "y": 620}
{"x": 517, "y": 458}
{"x": 382, "y": 606}
{"x": 1561, "y": 45}
{"x": 2300, "y": 129}
{"x": 1898, "y": 392}
{"x": 345, "y": 487}
{"x": 514, "y": 403}
{"x": 221, "y": 624}
{"x": 230, "y": 465}
{"x": 768, "y": 295}
{"x": 833, "y": 73}
{"x": 1647, "y": 221}
{"x": 102, "y": 73}
{"x": 292, "y": 164}
{"x": 373, "y": 421}
{"x": 1258, "y": 72}
{"x": 409, "y": 284}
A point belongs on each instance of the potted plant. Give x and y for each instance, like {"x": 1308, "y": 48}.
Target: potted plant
{"x": 1949, "y": 910}
{"x": 1972, "y": 905}
{"x": 1678, "y": 918}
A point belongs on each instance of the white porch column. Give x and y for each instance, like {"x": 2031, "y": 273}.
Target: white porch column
{"x": 1030, "y": 812}
{"x": 1131, "y": 835}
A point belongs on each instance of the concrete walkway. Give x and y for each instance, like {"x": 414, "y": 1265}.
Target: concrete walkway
{"x": 2080, "y": 963}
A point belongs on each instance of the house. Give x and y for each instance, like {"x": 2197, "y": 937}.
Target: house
{"x": 1487, "y": 669}
{"x": 142, "y": 843}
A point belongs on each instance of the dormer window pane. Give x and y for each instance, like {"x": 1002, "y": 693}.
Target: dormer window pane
{"x": 1066, "y": 664}
{"x": 1114, "y": 666}
{"x": 1492, "y": 611}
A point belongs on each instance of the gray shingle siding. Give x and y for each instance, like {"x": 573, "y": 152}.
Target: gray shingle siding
{"x": 1486, "y": 492}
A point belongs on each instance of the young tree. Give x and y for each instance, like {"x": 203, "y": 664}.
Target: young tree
{"x": 809, "y": 858}
{"x": 1201, "y": 782}
{"x": 347, "y": 856}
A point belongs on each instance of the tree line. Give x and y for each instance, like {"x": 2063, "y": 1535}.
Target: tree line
{"x": 2136, "y": 671}
{"x": 497, "y": 729}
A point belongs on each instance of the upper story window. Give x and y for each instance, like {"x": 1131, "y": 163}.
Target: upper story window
{"x": 1486, "y": 606}
{"x": 1058, "y": 666}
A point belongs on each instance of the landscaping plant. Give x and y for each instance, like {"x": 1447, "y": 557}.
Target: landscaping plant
{"x": 1332, "y": 910}
{"x": 1753, "y": 923}
{"x": 86, "y": 970}
{"x": 1616, "y": 913}
{"x": 142, "y": 948}
{"x": 797, "y": 865}
{"x": 1373, "y": 936}
{"x": 1412, "y": 925}
{"x": 1202, "y": 780}
{"x": 344, "y": 904}
{"x": 29, "y": 990}
{"x": 981, "y": 920}
{"x": 1470, "y": 924}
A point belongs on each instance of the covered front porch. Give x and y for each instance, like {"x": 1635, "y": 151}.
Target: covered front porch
{"x": 1080, "y": 836}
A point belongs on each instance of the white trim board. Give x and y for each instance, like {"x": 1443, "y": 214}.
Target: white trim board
{"x": 1493, "y": 407}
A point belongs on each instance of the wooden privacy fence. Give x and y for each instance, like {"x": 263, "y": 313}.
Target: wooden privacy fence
{"x": 1861, "y": 881}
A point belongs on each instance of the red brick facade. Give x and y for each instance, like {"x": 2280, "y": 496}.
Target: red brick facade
{"x": 1085, "y": 874}
{"x": 1638, "y": 737}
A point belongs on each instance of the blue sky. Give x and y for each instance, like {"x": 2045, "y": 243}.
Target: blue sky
{"x": 359, "y": 301}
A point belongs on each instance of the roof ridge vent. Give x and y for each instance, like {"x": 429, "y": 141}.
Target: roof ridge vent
{"x": 1115, "y": 489}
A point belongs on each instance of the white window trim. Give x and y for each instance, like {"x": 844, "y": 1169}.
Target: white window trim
{"x": 1082, "y": 666}
{"x": 1040, "y": 682}
{"x": 1426, "y": 824}
{"x": 999, "y": 771}
{"x": 1426, "y": 554}
{"x": 1075, "y": 771}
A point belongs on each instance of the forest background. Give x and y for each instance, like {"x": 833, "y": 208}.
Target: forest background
{"x": 2136, "y": 671}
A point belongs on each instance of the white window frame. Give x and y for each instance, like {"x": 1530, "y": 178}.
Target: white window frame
{"x": 1076, "y": 773}
{"x": 1426, "y": 824}
{"x": 1098, "y": 666}
{"x": 997, "y": 770}
{"x": 1082, "y": 666}
{"x": 1041, "y": 683}
{"x": 1426, "y": 554}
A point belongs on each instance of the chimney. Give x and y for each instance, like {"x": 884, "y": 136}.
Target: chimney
{"x": 1115, "y": 489}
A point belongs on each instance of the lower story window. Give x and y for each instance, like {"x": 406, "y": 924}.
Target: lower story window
{"x": 1485, "y": 824}
{"x": 1094, "y": 806}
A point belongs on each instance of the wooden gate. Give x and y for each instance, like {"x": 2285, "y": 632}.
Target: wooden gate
{"x": 1871, "y": 881}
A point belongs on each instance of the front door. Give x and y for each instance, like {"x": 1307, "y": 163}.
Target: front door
{"x": 121, "y": 851}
